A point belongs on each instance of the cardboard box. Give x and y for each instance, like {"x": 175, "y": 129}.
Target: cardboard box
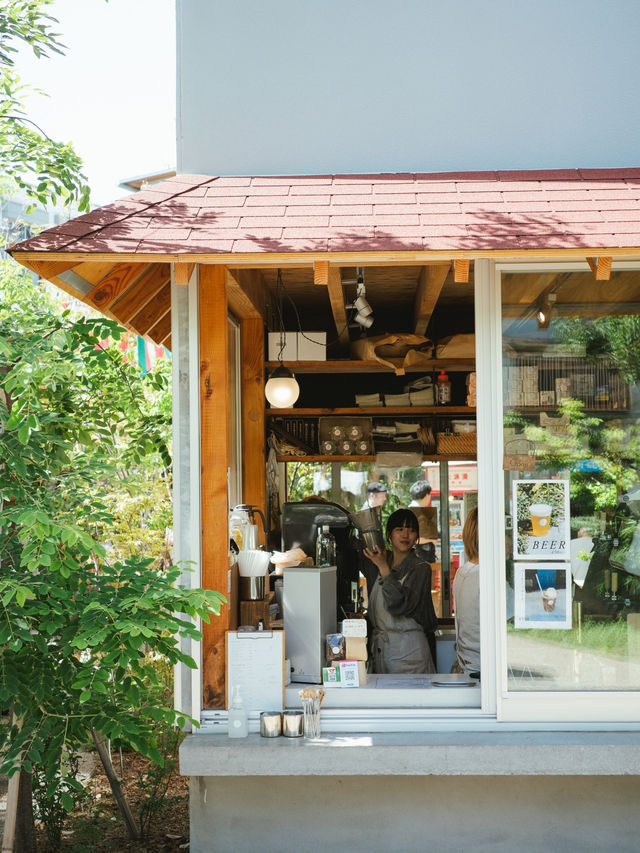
{"x": 312, "y": 346}
{"x": 290, "y": 341}
{"x": 356, "y": 648}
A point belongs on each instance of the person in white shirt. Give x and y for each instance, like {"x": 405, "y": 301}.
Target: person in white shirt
{"x": 376, "y": 495}
{"x": 466, "y": 597}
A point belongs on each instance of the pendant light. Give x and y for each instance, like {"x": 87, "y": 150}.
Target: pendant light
{"x": 282, "y": 389}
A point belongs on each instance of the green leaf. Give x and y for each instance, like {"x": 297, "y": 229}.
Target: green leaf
{"x": 67, "y": 801}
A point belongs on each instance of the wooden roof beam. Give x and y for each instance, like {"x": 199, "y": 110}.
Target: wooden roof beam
{"x": 601, "y": 268}
{"x": 430, "y": 284}
{"x": 153, "y": 311}
{"x": 245, "y": 293}
{"x": 114, "y": 284}
{"x": 461, "y": 271}
{"x": 183, "y": 272}
{"x": 150, "y": 283}
{"x": 336, "y": 298}
{"x": 321, "y": 273}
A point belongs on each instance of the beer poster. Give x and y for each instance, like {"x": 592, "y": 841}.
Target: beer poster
{"x": 541, "y": 520}
{"x": 542, "y": 596}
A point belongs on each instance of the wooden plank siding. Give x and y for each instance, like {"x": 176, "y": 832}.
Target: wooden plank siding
{"x": 253, "y": 430}
{"x": 214, "y": 461}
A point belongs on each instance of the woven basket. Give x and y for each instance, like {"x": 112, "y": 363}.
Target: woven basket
{"x": 449, "y": 445}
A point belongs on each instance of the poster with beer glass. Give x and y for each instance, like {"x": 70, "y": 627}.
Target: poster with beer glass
{"x": 541, "y": 514}
{"x": 542, "y": 596}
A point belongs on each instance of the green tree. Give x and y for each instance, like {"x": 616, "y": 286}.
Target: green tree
{"x": 77, "y": 628}
{"x": 45, "y": 169}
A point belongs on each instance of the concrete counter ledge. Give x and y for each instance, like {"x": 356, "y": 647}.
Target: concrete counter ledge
{"x": 415, "y": 754}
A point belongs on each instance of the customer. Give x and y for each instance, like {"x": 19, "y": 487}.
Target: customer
{"x": 376, "y": 495}
{"x": 466, "y": 597}
{"x": 420, "y": 494}
{"x": 400, "y": 612}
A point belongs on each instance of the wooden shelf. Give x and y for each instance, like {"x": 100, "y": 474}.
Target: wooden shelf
{"x": 462, "y": 365}
{"x": 379, "y": 411}
{"x": 429, "y": 457}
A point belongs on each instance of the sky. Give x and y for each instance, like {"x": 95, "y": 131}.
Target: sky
{"x": 113, "y": 93}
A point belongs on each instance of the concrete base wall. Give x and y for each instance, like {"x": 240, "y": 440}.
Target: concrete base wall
{"x": 438, "y": 814}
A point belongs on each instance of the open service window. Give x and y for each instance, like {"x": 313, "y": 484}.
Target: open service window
{"x": 442, "y": 494}
{"x": 571, "y": 462}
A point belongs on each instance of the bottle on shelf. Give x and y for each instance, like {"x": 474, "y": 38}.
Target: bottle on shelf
{"x": 325, "y": 547}
{"x": 443, "y": 384}
{"x": 238, "y": 723}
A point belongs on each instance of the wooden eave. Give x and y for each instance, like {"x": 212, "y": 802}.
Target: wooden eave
{"x": 134, "y": 289}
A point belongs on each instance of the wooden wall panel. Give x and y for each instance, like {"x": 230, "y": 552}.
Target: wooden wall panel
{"x": 214, "y": 460}
{"x": 253, "y": 433}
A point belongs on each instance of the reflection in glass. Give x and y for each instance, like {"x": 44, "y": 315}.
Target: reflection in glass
{"x": 571, "y": 395}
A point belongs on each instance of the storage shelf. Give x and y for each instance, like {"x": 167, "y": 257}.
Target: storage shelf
{"x": 379, "y": 411}
{"x": 462, "y": 365}
{"x": 429, "y": 457}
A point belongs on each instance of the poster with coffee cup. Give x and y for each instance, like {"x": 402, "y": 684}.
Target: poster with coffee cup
{"x": 542, "y": 596}
{"x": 541, "y": 513}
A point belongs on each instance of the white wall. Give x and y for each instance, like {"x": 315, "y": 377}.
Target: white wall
{"x": 295, "y": 86}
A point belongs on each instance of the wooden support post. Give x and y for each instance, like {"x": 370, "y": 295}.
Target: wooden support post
{"x": 214, "y": 462}
{"x": 461, "y": 270}
{"x": 601, "y": 268}
{"x": 253, "y": 434}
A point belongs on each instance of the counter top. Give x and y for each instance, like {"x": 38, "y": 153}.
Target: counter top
{"x": 521, "y": 753}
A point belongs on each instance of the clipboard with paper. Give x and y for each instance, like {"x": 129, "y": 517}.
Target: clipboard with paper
{"x": 255, "y": 663}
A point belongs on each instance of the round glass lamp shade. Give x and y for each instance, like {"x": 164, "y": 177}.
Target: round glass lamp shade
{"x": 281, "y": 389}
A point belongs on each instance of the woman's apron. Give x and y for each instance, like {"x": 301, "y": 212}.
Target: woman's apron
{"x": 398, "y": 643}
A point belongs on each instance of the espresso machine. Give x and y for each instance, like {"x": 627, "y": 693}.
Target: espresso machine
{"x": 315, "y": 599}
{"x": 301, "y": 522}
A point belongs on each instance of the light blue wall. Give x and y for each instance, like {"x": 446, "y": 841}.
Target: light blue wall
{"x": 301, "y": 86}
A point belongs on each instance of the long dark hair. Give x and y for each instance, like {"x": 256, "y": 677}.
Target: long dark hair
{"x": 402, "y": 518}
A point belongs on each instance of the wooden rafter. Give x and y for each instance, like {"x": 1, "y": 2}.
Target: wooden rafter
{"x": 153, "y": 311}
{"x": 336, "y": 298}
{"x": 183, "y": 273}
{"x": 150, "y": 283}
{"x": 430, "y": 284}
{"x": 461, "y": 271}
{"x": 601, "y": 268}
{"x": 245, "y": 293}
{"x": 114, "y": 284}
{"x": 49, "y": 269}
{"x": 321, "y": 273}
{"x": 162, "y": 329}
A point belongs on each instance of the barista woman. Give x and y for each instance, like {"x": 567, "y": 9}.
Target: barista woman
{"x": 400, "y": 613}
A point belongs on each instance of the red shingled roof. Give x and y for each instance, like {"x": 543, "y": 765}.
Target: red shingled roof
{"x": 457, "y": 211}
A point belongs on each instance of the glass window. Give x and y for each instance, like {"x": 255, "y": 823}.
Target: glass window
{"x": 571, "y": 400}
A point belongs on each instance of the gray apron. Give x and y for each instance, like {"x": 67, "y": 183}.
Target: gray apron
{"x": 398, "y": 643}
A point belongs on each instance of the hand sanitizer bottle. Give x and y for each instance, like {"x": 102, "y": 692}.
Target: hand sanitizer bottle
{"x": 238, "y": 724}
